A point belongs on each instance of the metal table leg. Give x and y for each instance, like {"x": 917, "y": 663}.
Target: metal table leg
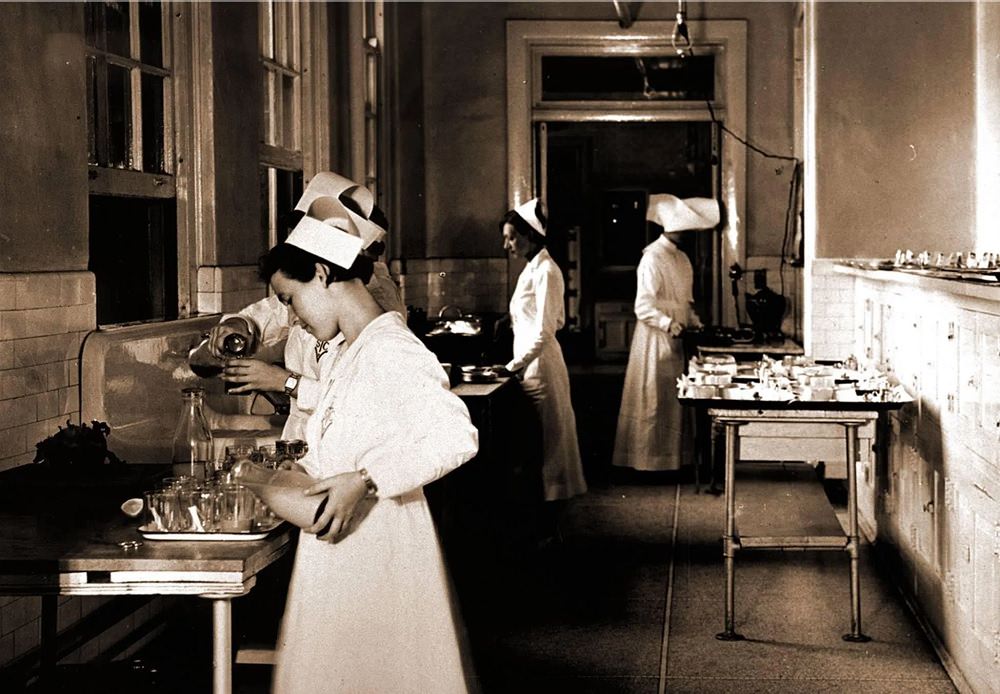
{"x": 853, "y": 539}
{"x": 729, "y": 542}
{"x": 222, "y": 646}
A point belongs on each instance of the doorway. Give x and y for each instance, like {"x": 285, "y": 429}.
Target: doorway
{"x": 599, "y": 117}
{"x": 598, "y": 177}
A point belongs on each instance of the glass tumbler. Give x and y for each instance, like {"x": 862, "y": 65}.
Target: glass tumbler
{"x": 236, "y": 509}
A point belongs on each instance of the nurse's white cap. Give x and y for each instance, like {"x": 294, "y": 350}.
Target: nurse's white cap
{"x": 528, "y": 212}
{"x": 328, "y": 191}
{"x": 676, "y": 214}
{"x": 334, "y": 238}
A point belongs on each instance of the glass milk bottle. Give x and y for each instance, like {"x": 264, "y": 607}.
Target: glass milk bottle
{"x": 193, "y": 452}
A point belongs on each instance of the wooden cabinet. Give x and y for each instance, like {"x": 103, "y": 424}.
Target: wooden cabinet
{"x": 938, "y": 487}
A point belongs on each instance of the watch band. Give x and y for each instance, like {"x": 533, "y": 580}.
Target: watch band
{"x": 292, "y": 382}
{"x": 371, "y": 489}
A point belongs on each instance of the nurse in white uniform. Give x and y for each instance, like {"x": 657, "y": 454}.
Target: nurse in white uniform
{"x": 649, "y": 432}
{"x": 536, "y": 313}
{"x": 368, "y": 606}
{"x": 305, "y": 357}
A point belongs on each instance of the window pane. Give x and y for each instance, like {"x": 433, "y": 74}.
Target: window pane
{"x": 133, "y": 256}
{"x": 289, "y": 190}
{"x": 152, "y": 123}
{"x": 93, "y": 17}
{"x": 267, "y": 121}
{"x": 267, "y": 24}
{"x": 116, "y": 16}
{"x": 289, "y": 111}
{"x": 619, "y": 78}
{"x": 93, "y": 111}
{"x": 119, "y": 117}
{"x": 151, "y": 33}
{"x": 265, "y": 204}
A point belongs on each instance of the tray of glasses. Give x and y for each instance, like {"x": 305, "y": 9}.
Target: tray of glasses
{"x": 258, "y": 532}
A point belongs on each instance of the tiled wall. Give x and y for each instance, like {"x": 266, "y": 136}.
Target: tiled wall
{"x": 833, "y": 322}
{"x": 228, "y": 289}
{"x": 43, "y": 320}
{"x": 474, "y": 284}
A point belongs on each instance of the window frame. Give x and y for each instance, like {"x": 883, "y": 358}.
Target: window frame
{"x": 132, "y": 181}
{"x": 307, "y": 63}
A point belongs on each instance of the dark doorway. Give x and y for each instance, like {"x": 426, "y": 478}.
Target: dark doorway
{"x": 599, "y": 176}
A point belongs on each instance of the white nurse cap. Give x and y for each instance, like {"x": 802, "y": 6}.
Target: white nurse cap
{"x": 528, "y": 211}
{"x": 329, "y": 193}
{"x": 674, "y": 214}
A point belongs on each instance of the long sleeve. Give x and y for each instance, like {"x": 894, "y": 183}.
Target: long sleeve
{"x": 648, "y": 294}
{"x": 270, "y": 317}
{"x": 542, "y": 327}
{"x": 428, "y": 431}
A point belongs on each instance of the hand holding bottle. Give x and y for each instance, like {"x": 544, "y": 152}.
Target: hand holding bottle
{"x": 232, "y": 337}
{"x": 245, "y": 375}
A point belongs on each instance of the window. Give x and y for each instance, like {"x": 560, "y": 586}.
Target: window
{"x": 281, "y": 159}
{"x": 623, "y": 78}
{"x": 133, "y": 249}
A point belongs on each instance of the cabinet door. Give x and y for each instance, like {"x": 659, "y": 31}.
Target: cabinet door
{"x": 968, "y": 404}
{"x": 989, "y": 353}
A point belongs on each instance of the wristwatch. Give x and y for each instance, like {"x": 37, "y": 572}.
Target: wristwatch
{"x": 291, "y": 383}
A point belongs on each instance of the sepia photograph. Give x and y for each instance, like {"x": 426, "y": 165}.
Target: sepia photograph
{"x": 481, "y": 347}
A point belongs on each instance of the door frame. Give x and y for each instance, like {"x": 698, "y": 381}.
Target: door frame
{"x": 528, "y": 40}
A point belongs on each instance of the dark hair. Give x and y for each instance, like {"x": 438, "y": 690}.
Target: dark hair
{"x": 300, "y": 265}
{"x": 522, "y": 227}
{"x": 378, "y": 217}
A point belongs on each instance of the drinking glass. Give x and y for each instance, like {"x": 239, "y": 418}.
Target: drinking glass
{"x": 237, "y": 508}
{"x": 234, "y": 454}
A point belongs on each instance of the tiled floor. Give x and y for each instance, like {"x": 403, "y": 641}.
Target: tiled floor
{"x": 596, "y": 616}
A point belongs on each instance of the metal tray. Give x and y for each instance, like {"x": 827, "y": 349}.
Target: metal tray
{"x": 249, "y": 536}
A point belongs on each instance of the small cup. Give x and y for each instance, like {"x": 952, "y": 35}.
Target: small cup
{"x": 236, "y": 510}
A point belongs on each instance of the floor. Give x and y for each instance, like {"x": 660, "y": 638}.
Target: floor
{"x": 633, "y": 597}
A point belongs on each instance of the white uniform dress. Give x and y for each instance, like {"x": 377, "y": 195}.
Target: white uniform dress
{"x": 306, "y": 356}
{"x": 371, "y": 613}
{"x": 650, "y": 422}
{"x": 536, "y": 313}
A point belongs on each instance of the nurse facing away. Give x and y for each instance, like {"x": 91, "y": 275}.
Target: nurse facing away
{"x": 649, "y": 431}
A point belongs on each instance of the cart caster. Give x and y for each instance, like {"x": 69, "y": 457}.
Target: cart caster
{"x": 730, "y": 636}
{"x": 856, "y": 638}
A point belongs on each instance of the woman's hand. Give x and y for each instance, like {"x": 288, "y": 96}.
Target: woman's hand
{"x": 343, "y": 493}
{"x": 676, "y": 328}
{"x": 218, "y": 334}
{"x": 254, "y": 374}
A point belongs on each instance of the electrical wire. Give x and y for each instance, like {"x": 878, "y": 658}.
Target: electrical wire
{"x": 792, "y": 186}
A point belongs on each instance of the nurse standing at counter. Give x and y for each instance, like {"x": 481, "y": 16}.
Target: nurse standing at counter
{"x": 536, "y": 313}
{"x": 649, "y": 431}
{"x": 368, "y": 606}
{"x": 305, "y": 358}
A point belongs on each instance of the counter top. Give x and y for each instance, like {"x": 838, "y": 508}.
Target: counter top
{"x": 476, "y": 390}
{"x": 974, "y": 290}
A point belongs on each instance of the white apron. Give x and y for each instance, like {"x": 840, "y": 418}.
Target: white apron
{"x": 536, "y": 313}
{"x": 372, "y": 613}
{"x": 649, "y": 432}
